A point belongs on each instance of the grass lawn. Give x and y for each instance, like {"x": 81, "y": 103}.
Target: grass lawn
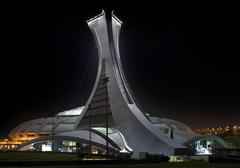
{"x": 36, "y": 156}
{"x": 47, "y": 156}
{"x": 160, "y": 165}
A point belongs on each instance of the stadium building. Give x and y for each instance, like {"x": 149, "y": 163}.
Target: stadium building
{"x": 111, "y": 122}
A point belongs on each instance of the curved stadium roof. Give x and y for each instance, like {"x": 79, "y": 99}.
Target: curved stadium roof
{"x": 63, "y": 121}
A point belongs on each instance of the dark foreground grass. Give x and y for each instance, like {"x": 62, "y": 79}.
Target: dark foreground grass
{"x": 160, "y": 165}
{"x": 48, "y": 156}
{"x": 36, "y": 156}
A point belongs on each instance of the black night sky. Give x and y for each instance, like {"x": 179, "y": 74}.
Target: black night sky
{"x": 180, "y": 59}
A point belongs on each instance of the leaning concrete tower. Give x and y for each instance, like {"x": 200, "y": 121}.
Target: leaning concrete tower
{"x": 111, "y": 99}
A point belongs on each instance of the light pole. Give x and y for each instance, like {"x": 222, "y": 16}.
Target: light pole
{"x": 53, "y": 134}
{"x": 90, "y": 135}
{"x": 107, "y": 121}
{"x": 105, "y": 80}
{"x": 53, "y": 123}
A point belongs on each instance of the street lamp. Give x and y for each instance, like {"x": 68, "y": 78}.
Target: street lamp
{"x": 53, "y": 134}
